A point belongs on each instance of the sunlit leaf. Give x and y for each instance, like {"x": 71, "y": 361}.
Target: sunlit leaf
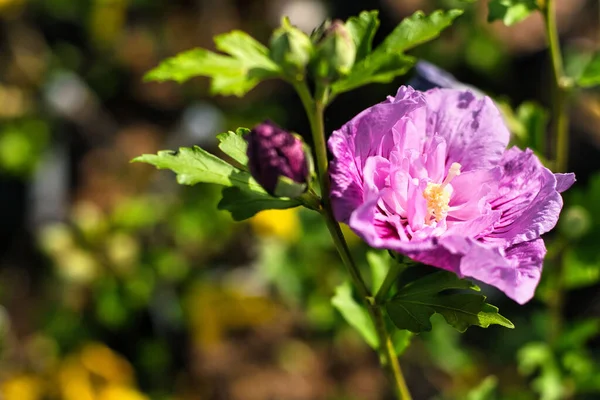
{"x": 244, "y": 65}
{"x": 243, "y": 197}
{"x": 510, "y": 11}
{"x": 194, "y": 164}
{"x": 381, "y": 68}
{"x": 417, "y": 29}
{"x": 363, "y": 28}
{"x": 388, "y": 61}
{"x": 415, "y": 303}
{"x": 234, "y": 145}
{"x": 354, "y": 313}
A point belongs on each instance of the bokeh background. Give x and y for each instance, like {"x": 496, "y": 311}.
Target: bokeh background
{"x": 118, "y": 284}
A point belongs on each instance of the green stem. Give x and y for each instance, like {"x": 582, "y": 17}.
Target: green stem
{"x": 560, "y": 118}
{"x": 315, "y": 109}
{"x": 560, "y": 130}
{"x": 388, "y": 353}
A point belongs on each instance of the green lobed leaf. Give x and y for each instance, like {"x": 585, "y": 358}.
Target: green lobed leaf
{"x": 388, "y": 61}
{"x": 591, "y": 73}
{"x": 363, "y": 28}
{"x": 435, "y": 283}
{"x": 234, "y": 145}
{"x": 247, "y": 63}
{"x": 243, "y": 204}
{"x": 244, "y": 47}
{"x": 417, "y": 29}
{"x": 382, "y": 68}
{"x": 354, "y": 313}
{"x": 415, "y": 303}
{"x": 510, "y": 11}
{"x": 194, "y": 165}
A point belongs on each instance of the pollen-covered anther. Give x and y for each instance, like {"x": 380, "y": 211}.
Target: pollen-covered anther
{"x": 437, "y": 195}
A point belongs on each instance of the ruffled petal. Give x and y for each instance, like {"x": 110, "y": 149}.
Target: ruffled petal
{"x": 528, "y": 199}
{"x": 475, "y": 132}
{"x": 368, "y": 223}
{"x": 346, "y": 177}
{"x": 516, "y": 271}
{"x": 528, "y": 258}
{"x": 564, "y": 181}
{"x": 368, "y": 134}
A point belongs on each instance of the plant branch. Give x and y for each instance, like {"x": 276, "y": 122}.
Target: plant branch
{"x": 315, "y": 109}
{"x": 560, "y": 118}
{"x": 560, "y": 130}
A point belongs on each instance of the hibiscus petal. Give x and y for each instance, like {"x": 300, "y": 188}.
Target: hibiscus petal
{"x": 376, "y": 122}
{"x": 474, "y": 129}
{"x": 516, "y": 272}
{"x": 564, "y": 181}
{"x": 376, "y": 176}
{"x": 368, "y": 223}
{"x": 346, "y": 177}
{"x": 528, "y": 199}
{"x": 367, "y": 134}
{"x": 475, "y": 226}
{"x": 528, "y": 258}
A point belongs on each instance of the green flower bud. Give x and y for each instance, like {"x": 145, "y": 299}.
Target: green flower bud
{"x": 291, "y": 49}
{"x": 336, "y": 51}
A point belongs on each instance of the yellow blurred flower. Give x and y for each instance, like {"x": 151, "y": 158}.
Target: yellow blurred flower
{"x": 120, "y": 393}
{"x": 283, "y": 224}
{"x": 97, "y": 373}
{"x": 215, "y": 311}
{"x": 102, "y": 361}
{"x": 21, "y": 387}
{"x": 74, "y": 381}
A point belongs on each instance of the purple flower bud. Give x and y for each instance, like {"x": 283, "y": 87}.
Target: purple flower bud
{"x": 273, "y": 154}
